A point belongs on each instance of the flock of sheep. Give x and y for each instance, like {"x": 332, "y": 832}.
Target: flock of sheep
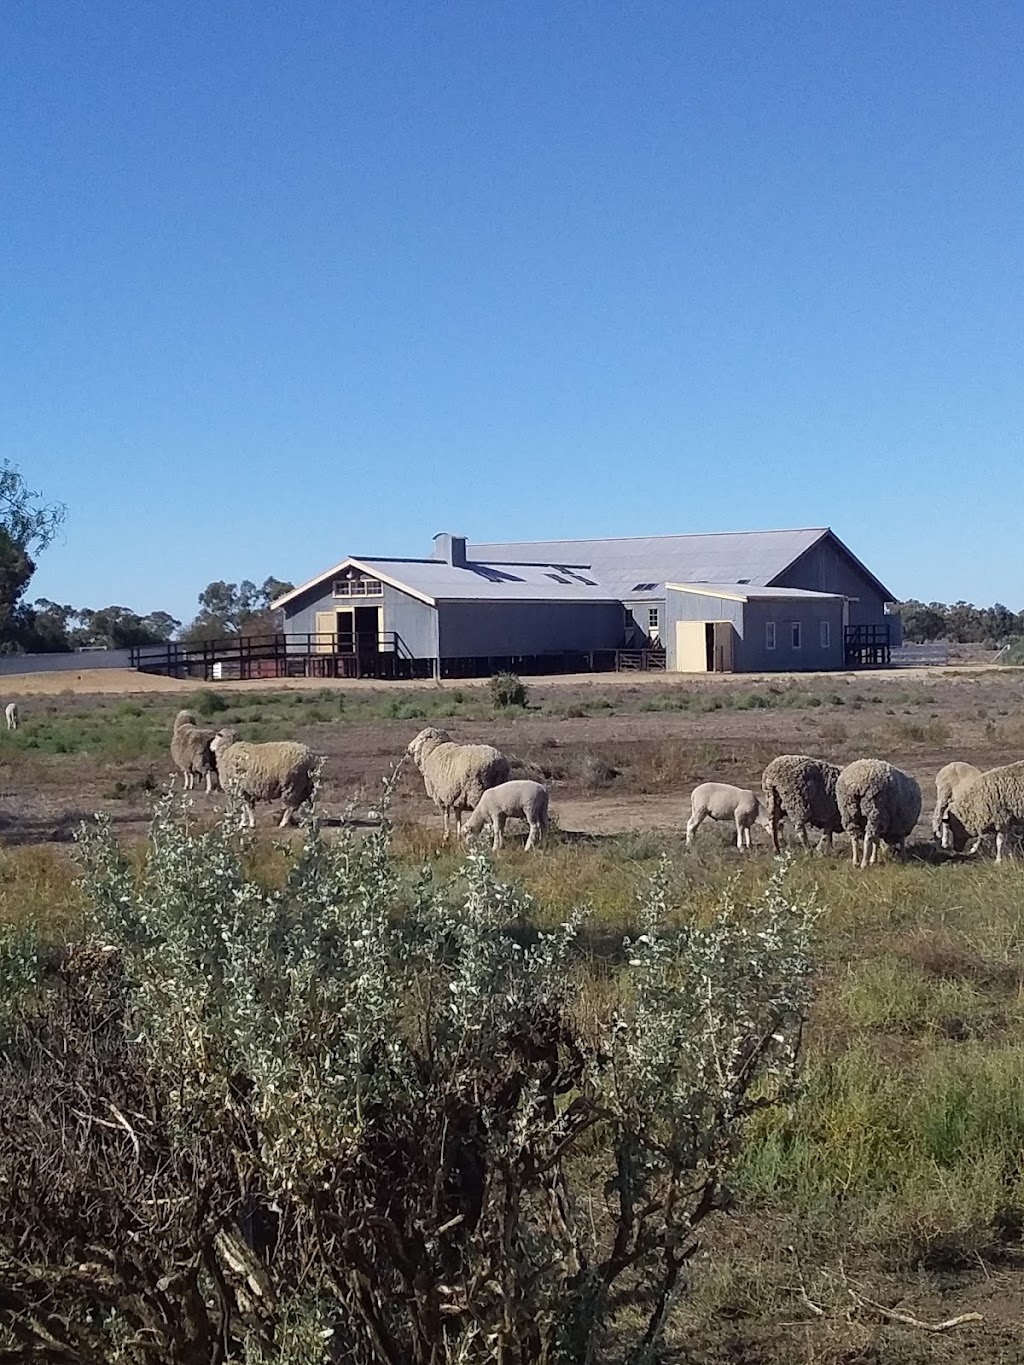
{"x": 870, "y": 800}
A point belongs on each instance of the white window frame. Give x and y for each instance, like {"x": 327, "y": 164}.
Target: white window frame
{"x": 341, "y": 588}
{"x": 826, "y": 634}
{"x": 795, "y": 634}
{"x": 769, "y": 634}
{"x": 653, "y": 618}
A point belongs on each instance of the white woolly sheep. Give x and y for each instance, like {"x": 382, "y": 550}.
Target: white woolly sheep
{"x": 274, "y": 770}
{"x": 804, "y": 789}
{"x": 879, "y": 803}
{"x": 949, "y": 782}
{"x": 522, "y": 798}
{"x": 456, "y": 775}
{"x": 192, "y": 750}
{"x": 11, "y": 712}
{"x": 992, "y": 804}
{"x": 719, "y": 801}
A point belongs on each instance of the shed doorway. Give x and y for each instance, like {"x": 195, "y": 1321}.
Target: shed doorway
{"x": 353, "y": 630}
{"x": 705, "y": 647}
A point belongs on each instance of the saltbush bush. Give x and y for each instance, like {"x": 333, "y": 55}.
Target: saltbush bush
{"x": 508, "y": 689}
{"x": 366, "y": 1120}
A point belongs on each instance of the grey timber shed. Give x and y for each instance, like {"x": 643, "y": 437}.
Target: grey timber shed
{"x": 638, "y": 568}
{"x": 450, "y": 608}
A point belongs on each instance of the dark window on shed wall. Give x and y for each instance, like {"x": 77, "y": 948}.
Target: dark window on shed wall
{"x": 794, "y": 629}
{"x": 769, "y": 634}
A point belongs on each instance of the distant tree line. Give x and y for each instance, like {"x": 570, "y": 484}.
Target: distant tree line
{"x": 961, "y": 623}
{"x": 225, "y": 609}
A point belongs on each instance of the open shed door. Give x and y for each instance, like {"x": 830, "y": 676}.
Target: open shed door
{"x": 705, "y": 647}
{"x": 722, "y": 647}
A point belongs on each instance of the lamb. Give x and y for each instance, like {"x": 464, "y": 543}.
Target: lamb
{"x": 992, "y": 803}
{"x": 277, "y": 769}
{"x": 522, "y": 798}
{"x": 11, "y": 712}
{"x": 722, "y": 802}
{"x": 192, "y": 750}
{"x": 949, "y": 782}
{"x": 878, "y": 802}
{"x": 804, "y": 789}
{"x": 456, "y": 775}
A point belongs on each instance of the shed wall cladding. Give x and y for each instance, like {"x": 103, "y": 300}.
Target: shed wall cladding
{"x": 638, "y": 618}
{"x": 474, "y": 629}
{"x": 753, "y": 654}
{"x": 825, "y": 568}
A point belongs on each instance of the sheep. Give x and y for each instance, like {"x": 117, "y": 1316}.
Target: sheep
{"x": 992, "y": 803}
{"x": 522, "y": 798}
{"x": 949, "y": 782}
{"x": 722, "y": 802}
{"x": 456, "y": 775}
{"x": 192, "y": 751}
{"x": 878, "y": 802}
{"x": 804, "y": 789}
{"x": 11, "y": 712}
{"x": 277, "y": 769}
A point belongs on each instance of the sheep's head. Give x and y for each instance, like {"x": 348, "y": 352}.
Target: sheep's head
{"x": 426, "y": 740}
{"x": 222, "y": 739}
{"x": 185, "y": 718}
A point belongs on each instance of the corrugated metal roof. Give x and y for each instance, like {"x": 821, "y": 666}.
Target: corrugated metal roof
{"x": 746, "y": 593}
{"x": 639, "y": 566}
{"x": 434, "y": 580}
{"x": 443, "y": 582}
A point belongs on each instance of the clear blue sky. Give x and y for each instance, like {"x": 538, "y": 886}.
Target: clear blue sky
{"x": 285, "y": 281}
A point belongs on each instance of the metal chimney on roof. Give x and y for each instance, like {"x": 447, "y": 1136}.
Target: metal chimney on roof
{"x": 450, "y": 549}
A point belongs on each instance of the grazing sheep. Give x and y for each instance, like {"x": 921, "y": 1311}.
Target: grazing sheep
{"x": 719, "y": 801}
{"x": 805, "y": 790}
{"x": 522, "y": 798}
{"x": 275, "y": 770}
{"x": 456, "y": 775}
{"x": 11, "y": 712}
{"x": 192, "y": 750}
{"x": 879, "y": 803}
{"x": 949, "y": 782}
{"x": 992, "y": 804}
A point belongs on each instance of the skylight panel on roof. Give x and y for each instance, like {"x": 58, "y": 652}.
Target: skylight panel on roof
{"x": 643, "y": 587}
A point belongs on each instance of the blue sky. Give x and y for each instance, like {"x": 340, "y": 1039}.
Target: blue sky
{"x": 282, "y": 282}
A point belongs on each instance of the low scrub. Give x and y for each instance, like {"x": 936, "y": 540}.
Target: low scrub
{"x": 353, "y": 1117}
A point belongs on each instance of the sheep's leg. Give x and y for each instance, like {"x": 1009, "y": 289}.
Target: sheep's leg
{"x": 853, "y": 845}
{"x": 1000, "y": 844}
{"x": 776, "y": 829}
{"x": 801, "y": 834}
{"x": 739, "y": 835}
{"x": 446, "y": 816}
{"x": 250, "y": 814}
{"x": 499, "y": 830}
{"x": 286, "y": 818}
{"x": 209, "y": 782}
{"x": 533, "y": 835}
{"x": 693, "y": 825}
{"x": 825, "y": 842}
{"x": 746, "y": 836}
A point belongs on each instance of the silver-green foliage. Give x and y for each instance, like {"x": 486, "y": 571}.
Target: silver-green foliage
{"x": 469, "y": 1151}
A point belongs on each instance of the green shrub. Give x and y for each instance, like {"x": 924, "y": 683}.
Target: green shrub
{"x": 508, "y": 689}
{"x": 365, "y": 1115}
